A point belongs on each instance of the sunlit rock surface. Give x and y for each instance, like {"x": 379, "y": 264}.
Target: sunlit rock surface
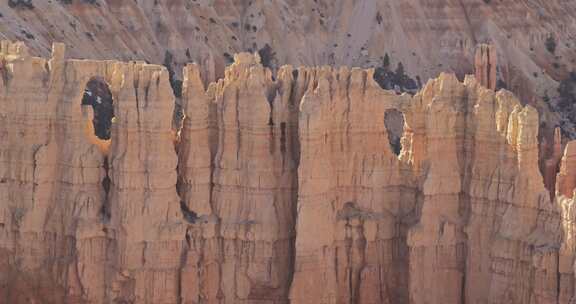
{"x": 277, "y": 189}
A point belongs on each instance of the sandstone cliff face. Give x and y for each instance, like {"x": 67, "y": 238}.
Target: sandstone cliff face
{"x": 275, "y": 190}
{"x": 566, "y": 198}
{"x": 62, "y": 229}
{"x": 238, "y": 168}
{"x": 460, "y": 216}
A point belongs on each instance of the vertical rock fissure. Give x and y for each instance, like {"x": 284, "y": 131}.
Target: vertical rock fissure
{"x": 295, "y": 186}
{"x": 271, "y": 130}
{"x": 488, "y": 66}
{"x": 283, "y": 137}
{"x": 550, "y": 149}
{"x": 291, "y": 131}
{"x": 464, "y": 196}
{"x": 105, "y": 211}
{"x": 558, "y": 278}
{"x": 238, "y": 130}
{"x": 34, "y": 173}
{"x": 189, "y": 215}
{"x": 178, "y": 120}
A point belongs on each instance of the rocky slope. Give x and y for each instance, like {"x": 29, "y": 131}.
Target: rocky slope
{"x": 534, "y": 39}
{"x": 279, "y": 189}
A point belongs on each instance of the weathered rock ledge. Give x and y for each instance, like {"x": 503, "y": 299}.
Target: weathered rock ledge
{"x": 275, "y": 190}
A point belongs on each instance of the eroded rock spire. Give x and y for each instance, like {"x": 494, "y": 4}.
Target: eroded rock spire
{"x": 485, "y": 65}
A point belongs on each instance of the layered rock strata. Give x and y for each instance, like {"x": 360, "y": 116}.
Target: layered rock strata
{"x": 238, "y": 160}
{"x": 80, "y": 224}
{"x": 286, "y": 188}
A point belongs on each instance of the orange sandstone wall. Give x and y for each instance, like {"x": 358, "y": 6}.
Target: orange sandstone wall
{"x": 279, "y": 189}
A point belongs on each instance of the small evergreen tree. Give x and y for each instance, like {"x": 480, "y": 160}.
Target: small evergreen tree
{"x": 400, "y": 70}
{"x": 386, "y": 61}
{"x": 551, "y": 44}
{"x": 399, "y": 75}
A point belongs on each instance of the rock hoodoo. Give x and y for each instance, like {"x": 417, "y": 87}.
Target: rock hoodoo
{"x": 485, "y": 65}
{"x": 281, "y": 189}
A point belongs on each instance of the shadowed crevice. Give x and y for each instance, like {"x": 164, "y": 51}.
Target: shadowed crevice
{"x": 97, "y": 94}
{"x": 394, "y": 122}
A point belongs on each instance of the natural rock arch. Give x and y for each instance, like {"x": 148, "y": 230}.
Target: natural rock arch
{"x": 394, "y": 123}
{"x": 98, "y": 95}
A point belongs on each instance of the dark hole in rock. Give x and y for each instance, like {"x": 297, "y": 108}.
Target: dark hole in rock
{"x": 295, "y": 74}
{"x": 229, "y": 59}
{"x": 394, "y": 122}
{"x": 349, "y": 211}
{"x": 189, "y": 215}
{"x": 97, "y": 94}
{"x": 267, "y": 56}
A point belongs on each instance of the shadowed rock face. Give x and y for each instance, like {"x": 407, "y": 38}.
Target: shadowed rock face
{"x": 280, "y": 189}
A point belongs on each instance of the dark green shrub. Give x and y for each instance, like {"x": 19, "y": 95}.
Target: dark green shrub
{"x": 551, "y": 44}
{"x": 21, "y": 4}
{"x": 397, "y": 80}
{"x": 267, "y": 56}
